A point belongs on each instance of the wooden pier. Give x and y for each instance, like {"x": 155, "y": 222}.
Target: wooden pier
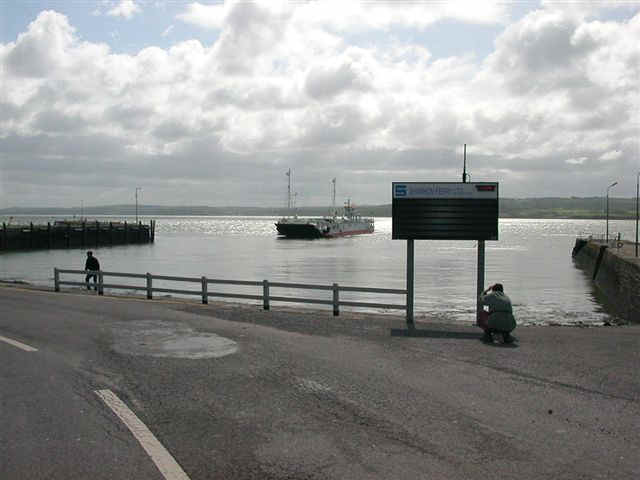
{"x": 74, "y": 234}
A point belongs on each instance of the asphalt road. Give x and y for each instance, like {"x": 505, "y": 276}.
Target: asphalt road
{"x": 232, "y": 392}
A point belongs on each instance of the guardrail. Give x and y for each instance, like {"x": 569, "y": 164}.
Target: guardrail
{"x": 615, "y": 239}
{"x": 204, "y": 292}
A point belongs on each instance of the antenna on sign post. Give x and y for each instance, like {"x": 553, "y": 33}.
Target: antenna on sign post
{"x": 464, "y": 167}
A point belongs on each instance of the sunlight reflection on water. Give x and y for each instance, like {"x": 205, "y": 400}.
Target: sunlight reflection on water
{"x": 532, "y": 259}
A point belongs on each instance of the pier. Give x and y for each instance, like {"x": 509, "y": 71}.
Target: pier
{"x": 615, "y": 271}
{"x": 74, "y": 234}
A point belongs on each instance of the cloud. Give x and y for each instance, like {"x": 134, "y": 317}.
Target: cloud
{"x": 125, "y": 9}
{"x": 353, "y": 15}
{"x": 329, "y": 80}
{"x": 167, "y": 30}
{"x": 576, "y": 161}
{"x": 280, "y": 88}
{"x": 611, "y": 155}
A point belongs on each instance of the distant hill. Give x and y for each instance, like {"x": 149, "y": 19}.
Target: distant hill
{"x": 574, "y": 207}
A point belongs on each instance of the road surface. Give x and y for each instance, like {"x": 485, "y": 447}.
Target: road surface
{"x": 233, "y": 392}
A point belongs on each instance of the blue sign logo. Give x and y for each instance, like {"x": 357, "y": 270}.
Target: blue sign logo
{"x": 400, "y": 191}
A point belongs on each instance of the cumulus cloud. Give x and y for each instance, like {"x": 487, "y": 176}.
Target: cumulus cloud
{"x": 167, "y": 30}
{"x": 353, "y": 15}
{"x": 283, "y": 85}
{"x": 125, "y": 9}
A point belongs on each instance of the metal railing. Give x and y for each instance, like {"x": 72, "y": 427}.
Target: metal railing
{"x": 205, "y": 293}
{"x": 615, "y": 240}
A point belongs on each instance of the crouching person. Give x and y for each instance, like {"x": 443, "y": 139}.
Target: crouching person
{"x": 499, "y": 319}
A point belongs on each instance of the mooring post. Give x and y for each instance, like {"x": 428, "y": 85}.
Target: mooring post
{"x": 265, "y": 294}
{"x": 480, "y": 281}
{"x": 336, "y": 300}
{"x": 149, "y": 286}
{"x": 100, "y": 283}
{"x": 205, "y": 294}
{"x": 31, "y": 235}
{"x": 56, "y": 280}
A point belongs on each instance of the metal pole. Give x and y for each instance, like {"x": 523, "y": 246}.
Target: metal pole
{"x": 480, "y": 281}
{"x": 137, "y": 188}
{"x": 410, "y": 276}
{"x": 606, "y": 237}
{"x": 637, "y": 210}
{"x": 607, "y": 233}
{"x": 149, "y": 286}
{"x": 205, "y": 294}
{"x": 265, "y": 294}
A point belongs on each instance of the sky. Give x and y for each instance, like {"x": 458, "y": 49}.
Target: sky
{"x": 211, "y": 103}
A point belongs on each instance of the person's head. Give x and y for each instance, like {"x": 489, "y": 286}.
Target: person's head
{"x": 89, "y": 253}
{"x": 498, "y": 287}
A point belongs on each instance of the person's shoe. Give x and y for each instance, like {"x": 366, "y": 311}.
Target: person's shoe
{"x": 508, "y": 338}
{"x": 487, "y": 338}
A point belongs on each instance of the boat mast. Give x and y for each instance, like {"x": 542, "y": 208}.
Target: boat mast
{"x": 289, "y": 192}
{"x": 333, "y": 196}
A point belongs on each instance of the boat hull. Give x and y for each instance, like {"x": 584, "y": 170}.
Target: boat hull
{"x": 323, "y": 229}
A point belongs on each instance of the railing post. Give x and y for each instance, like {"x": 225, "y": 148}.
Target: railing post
{"x": 336, "y": 300}
{"x": 149, "y": 286}
{"x": 56, "y": 280}
{"x": 100, "y": 283}
{"x": 205, "y": 295}
{"x": 265, "y": 294}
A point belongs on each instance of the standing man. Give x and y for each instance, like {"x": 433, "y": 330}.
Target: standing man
{"x": 500, "y": 318}
{"x": 93, "y": 265}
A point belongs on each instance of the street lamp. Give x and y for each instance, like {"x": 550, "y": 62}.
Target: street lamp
{"x": 607, "y": 234}
{"x": 637, "y": 195}
{"x": 137, "y": 188}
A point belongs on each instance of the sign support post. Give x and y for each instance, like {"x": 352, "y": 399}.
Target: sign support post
{"x": 480, "y": 278}
{"x": 444, "y": 211}
{"x": 410, "y": 277}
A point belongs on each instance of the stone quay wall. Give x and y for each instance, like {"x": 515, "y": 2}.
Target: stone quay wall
{"x": 615, "y": 270}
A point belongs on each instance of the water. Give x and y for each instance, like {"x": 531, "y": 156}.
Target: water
{"x": 532, "y": 259}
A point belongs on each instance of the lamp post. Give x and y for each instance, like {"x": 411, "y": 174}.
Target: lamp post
{"x": 637, "y": 209}
{"x": 137, "y": 188}
{"x": 607, "y": 234}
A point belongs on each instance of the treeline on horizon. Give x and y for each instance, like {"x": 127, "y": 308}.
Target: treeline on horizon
{"x": 574, "y": 207}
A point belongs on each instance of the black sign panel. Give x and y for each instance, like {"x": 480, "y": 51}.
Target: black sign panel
{"x": 445, "y": 211}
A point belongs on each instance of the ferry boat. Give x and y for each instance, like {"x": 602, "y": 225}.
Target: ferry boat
{"x": 350, "y": 223}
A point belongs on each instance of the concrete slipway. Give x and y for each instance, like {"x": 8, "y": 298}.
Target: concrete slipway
{"x": 304, "y": 395}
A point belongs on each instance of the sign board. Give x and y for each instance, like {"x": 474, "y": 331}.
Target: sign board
{"x": 445, "y": 211}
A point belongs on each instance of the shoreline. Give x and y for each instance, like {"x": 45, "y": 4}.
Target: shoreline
{"x": 284, "y": 314}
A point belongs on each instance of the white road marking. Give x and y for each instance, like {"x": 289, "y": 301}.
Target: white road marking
{"x": 21, "y": 345}
{"x": 160, "y": 456}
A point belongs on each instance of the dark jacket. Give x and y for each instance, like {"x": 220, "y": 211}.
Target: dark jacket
{"x": 92, "y": 264}
{"x": 500, "y": 311}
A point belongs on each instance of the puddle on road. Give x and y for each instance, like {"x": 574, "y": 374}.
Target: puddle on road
{"x": 166, "y": 339}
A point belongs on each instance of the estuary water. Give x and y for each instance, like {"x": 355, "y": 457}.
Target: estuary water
{"x": 532, "y": 258}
